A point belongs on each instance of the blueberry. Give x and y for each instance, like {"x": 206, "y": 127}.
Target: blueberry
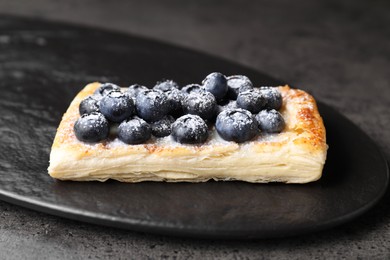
{"x": 236, "y": 125}
{"x": 152, "y": 105}
{"x": 91, "y": 128}
{"x": 166, "y": 85}
{"x": 189, "y": 129}
{"x": 162, "y": 127}
{"x": 237, "y": 84}
{"x": 216, "y": 84}
{"x": 134, "y": 131}
{"x": 175, "y": 99}
{"x": 252, "y": 100}
{"x": 107, "y": 87}
{"x": 89, "y": 104}
{"x": 273, "y": 97}
{"x": 116, "y": 106}
{"x": 174, "y": 95}
{"x": 202, "y": 104}
{"x": 270, "y": 121}
{"x": 133, "y": 90}
{"x": 192, "y": 88}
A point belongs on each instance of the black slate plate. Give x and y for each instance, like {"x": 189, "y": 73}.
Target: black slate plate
{"x": 43, "y": 65}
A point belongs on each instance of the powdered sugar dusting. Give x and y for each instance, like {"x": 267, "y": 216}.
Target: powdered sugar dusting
{"x": 93, "y": 120}
{"x": 212, "y": 140}
{"x": 238, "y": 117}
{"x": 231, "y": 105}
{"x": 202, "y": 99}
{"x": 193, "y": 123}
{"x": 239, "y": 82}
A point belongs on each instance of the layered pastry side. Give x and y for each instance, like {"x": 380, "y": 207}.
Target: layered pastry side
{"x": 295, "y": 155}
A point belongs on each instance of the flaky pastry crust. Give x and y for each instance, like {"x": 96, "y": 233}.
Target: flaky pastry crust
{"x": 297, "y": 155}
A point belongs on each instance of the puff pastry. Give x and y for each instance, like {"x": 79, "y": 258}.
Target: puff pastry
{"x": 296, "y": 155}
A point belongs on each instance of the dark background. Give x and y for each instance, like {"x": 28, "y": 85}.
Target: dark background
{"x": 339, "y": 50}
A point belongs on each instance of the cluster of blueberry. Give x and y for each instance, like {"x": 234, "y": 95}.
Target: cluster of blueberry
{"x": 240, "y": 111}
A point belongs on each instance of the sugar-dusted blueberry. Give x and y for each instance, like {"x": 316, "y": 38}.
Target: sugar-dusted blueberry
{"x": 202, "y": 104}
{"x": 216, "y": 84}
{"x": 270, "y": 121}
{"x": 162, "y": 127}
{"x": 166, "y": 85}
{"x": 91, "y": 128}
{"x": 173, "y": 94}
{"x": 236, "y": 125}
{"x": 252, "y": 100}
{"x": 237, "y": 84}
{"x": 116, "y": 106}
{"x": 106, "y": 88}
{"x": 273, "y": 97}
{"x": 134, "y": 89}
{"x": 89, "y": 104}
{"x": 189, "y": 129}
{"x": 134, "y": 131}
{"x": 192, "y": 88}
{"x": 152, "y": 105}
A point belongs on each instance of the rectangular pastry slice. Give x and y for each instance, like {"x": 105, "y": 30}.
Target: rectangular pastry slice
{"x": 295, "y": 155}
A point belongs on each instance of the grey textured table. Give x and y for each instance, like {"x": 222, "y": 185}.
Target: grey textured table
{"x": 339, "y": 51}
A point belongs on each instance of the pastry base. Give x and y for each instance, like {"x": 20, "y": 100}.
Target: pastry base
{"x": 297, "y": 155}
